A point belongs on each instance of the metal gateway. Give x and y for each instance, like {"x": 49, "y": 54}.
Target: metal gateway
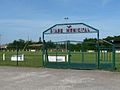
{"x": 86, "y": 54}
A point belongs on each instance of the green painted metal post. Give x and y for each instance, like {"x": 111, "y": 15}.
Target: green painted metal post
{"x": 98, "y": 64}
{"x": 113, "y": 57}
{"x": 96, "y": 56}
{"x": 82, "y": 54}
{"x": 108, "y": 55}
{"x": 56, "y": 51}
{"x": 68, "y": 51}
{"x": 104, "y": 56}
{"x": 43, "y": 51}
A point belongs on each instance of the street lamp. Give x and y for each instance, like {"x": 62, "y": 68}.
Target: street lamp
{"x": 66, "y": 18}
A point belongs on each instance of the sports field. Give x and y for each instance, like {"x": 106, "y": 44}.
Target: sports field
{"x": 31, "y": 59}
{"x": 34, "y": 59}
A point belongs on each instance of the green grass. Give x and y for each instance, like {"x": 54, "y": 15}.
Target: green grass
{"x": 31, "y": 59}
{"x": 34, "y": 59}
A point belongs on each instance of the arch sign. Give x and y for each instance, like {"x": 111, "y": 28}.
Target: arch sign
{"x": 71, "y": 28}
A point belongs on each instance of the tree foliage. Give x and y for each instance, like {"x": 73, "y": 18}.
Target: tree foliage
{"x": 21, "y": 45}
{"x": 87, "y": 44}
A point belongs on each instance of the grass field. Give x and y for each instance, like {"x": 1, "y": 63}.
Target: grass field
{"x": 34, "y": 59}
{"x": 31, "y": 59}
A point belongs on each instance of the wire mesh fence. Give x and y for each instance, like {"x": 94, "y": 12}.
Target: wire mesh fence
{"x": 30, "y": 58}
{"x": 21, "y": 58}
{"x": 117, "y": 56}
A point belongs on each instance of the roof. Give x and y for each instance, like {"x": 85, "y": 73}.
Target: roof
{"x": 35, "y": 45}
{"x": 3, "y": 46}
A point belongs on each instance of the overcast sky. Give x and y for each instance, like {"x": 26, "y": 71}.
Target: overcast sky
{"x": 20, "y": 19}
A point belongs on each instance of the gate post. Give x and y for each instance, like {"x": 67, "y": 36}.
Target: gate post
{"x": 113, "y": 57}
{"x": 98, "y": 48}
{"x": 68, "y": 51}
{"x": 43, "y": 51}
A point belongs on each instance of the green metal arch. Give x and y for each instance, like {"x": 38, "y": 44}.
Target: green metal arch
{"x": 94, "y": 30}
{"x": 97, "y": 31}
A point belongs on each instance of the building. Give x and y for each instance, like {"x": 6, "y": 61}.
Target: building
{"x": 3, "y": 47}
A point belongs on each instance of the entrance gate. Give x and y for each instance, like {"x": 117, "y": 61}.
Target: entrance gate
{"x": 83, "y": 58}
{"x": 77, "y": 54}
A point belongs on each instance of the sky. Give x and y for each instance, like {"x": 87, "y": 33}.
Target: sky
{"x": 23, "y": 19}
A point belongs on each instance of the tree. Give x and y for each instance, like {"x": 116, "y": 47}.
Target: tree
{"x": 50, "y": 44}
{"x": 89, "y": 44}
{"x": 16, "y": 44}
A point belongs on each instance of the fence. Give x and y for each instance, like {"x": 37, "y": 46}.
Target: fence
{"x": 21, "y": 58}
{"x": 117, "y": 56}
{"x": 31, "y": 58}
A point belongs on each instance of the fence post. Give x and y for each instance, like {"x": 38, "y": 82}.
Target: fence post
{"x": 113, "y": 57}
{"x": 82, "y": 53}
{"x": 69, "y": 55}
{"x": 98, "y": 47}
{"x": 17, "y": 53}
{"x": 3, "y": 56}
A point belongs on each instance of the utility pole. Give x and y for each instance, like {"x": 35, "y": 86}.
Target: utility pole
{"x": 40, "y": 41}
